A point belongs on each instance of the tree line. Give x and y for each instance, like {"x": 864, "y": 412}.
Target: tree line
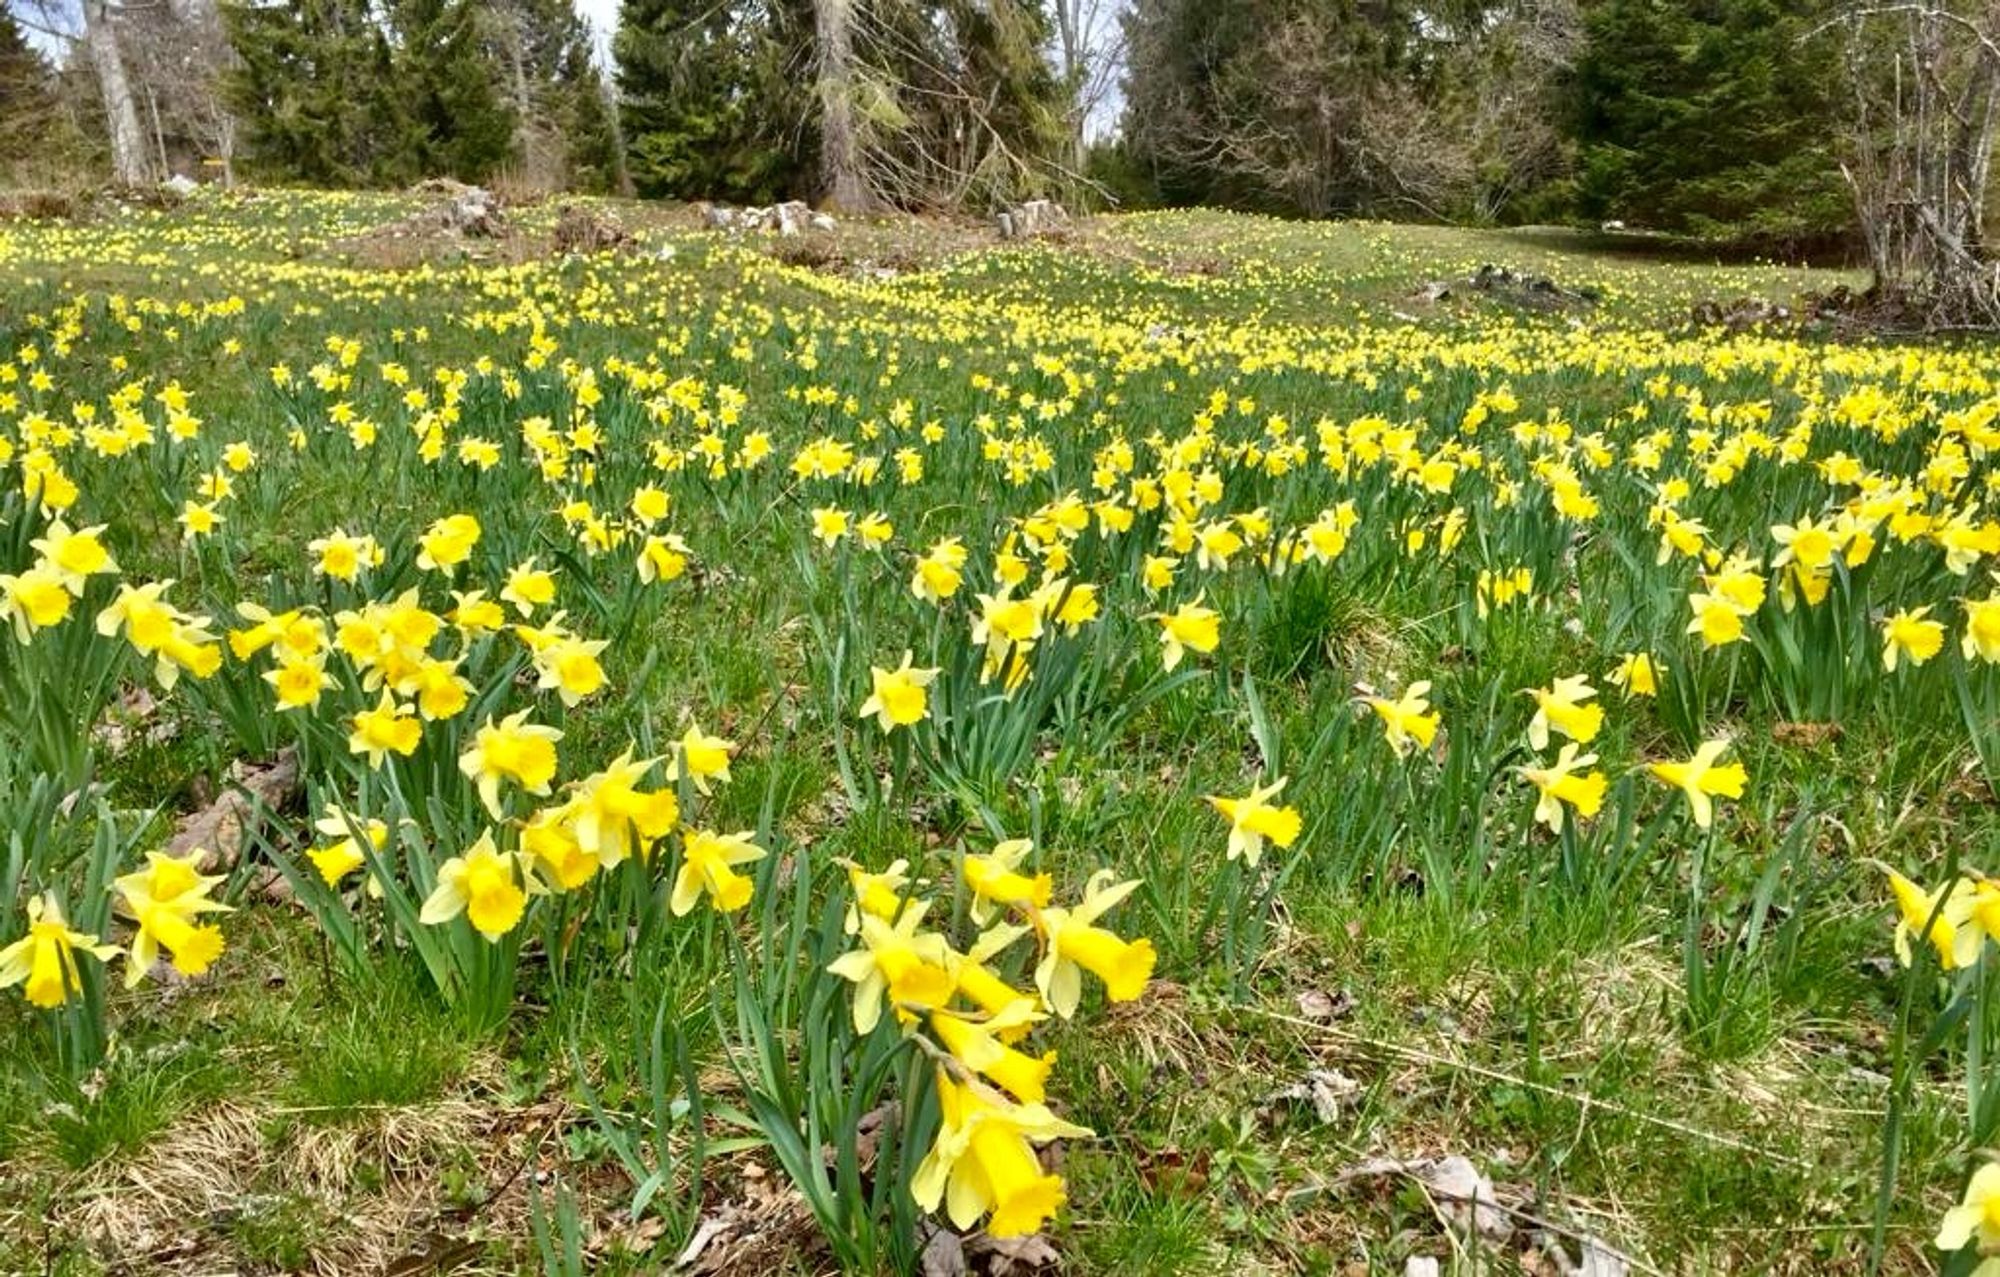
{"x": 1780, "y": 124}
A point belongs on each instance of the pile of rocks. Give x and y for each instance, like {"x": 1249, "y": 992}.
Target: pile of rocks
{"x": 471, "y": 211}
{"x": 789, "y": 218}
{"x": 1532, "y": 292}
{"x": 578, "y": 230}
{"x": 1034, "y": 218}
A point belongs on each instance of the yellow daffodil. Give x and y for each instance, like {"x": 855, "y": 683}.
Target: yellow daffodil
{"x": 43, "y": 962}
{"x": 1407, "y": 721}
{"x": 1190, "y": 627}
{"x": 900, "y": 697}
{"x": 983, "y": 1163}
{"x": 483, "y": 884}
{"x": 1910, "y": 634}
{"x": 1563, "y": 783}
{"x": 898, "y": 964}
{"x": 1567, "y": 707}
{"x": 164, "y": 899}
{"x": 996, "y": 881}
{"x": 511, "y": 749}
{"x": 1072, "y": 943}
{"x": 1253, "y": 819}
{"x": 708, "y": 862}
{"x": 1702, "y": 780}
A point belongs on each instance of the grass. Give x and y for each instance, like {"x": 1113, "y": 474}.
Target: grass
{"x": 1693, "y": 1070}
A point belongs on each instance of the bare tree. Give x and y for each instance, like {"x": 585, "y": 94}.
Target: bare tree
{"x": 840, "y": 148}
{"x": 1090, "y": 56}
{"x": 131, "y": 163}
{"x": 1926, "y": 82}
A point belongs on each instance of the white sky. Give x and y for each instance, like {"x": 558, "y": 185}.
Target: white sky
{"x": 602, "y": 15}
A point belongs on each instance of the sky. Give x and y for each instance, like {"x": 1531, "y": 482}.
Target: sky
{"x": 602, "y": 15}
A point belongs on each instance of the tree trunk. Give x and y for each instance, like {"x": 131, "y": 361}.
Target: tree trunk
{"x": 129, "y": 164}
{"x": 844, "y": 190}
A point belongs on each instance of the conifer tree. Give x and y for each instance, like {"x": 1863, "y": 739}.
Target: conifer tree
{"x": 716, "y": 97}
{"x": 314, "y": 89}
{"x": 446, "y": 75}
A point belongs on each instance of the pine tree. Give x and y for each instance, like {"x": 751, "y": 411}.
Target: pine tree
{"x": 596, "y": 158}
{"x": 563, "y": 131}
{"x": 446, "y": 75}
{"x": 1710, "y": 118}
{"x": 715, "y": 97}
{"x": 27, "y": 91}
{"x": 314, "y": 90}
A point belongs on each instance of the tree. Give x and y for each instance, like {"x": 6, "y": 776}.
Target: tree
{"x": 448, "y": 82}
{"x": 1711, "y": 118}
{"x": 715, "y": 97}
{"x": 131, "y": 162}
{"x": 564, "y": 134}
{"x": 1089, "y": 55}
{"x": 839, "y": 142}
{"x": 954, "y": 103}
{"x": 1925, "y": 85}
{"x": 1347, "y": 106}
{"x": 314, "y": 86}
{"x": 27, "y": 90}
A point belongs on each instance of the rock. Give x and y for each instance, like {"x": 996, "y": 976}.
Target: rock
{"x": 474, "y": 212}
{"x": 180, "y": 185}
{"x": 1420, "y": 1266}
{"x": 718, "y": 218}
{"x": 1463, "y": 1197}
{"x": 1036, "y": 217}
{"x": 578, "y": 230}
{"x": 1436, "y": 291}
{"x": 792, "y": 217}
{"x": 1743, "y": 313}
{"x": 824, "y": 222}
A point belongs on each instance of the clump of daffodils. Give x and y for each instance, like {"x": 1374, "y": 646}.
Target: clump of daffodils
{"x": 165, "y": 902}
{"x": 957, "y": 1005}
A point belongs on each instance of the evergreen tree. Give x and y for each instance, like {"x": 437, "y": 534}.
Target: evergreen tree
{"x": 1710, "y": 117}
{"x": 446, "y": 75}
{"x": 314, "y": 90}
{"x": 715, "y": 97}
{"x": 27, "y": 91}
{"x": 596, "y": 159}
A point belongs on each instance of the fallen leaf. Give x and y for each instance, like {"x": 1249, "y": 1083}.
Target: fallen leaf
{"x": 1599, "y": 1260}
{"x": 1324, "y": 1090}
{"x": 1007, "y": 1255}
{"x": 707, "y": 1231}
{"x": 1321, "y": 1006}
{"x": 944, "y": 1255}
{"x": 1464, "y": 1198}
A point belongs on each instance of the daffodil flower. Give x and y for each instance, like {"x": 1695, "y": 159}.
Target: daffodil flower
{"x": 43, "y": 962}
{"x": 1072, "y": 943}
{"x": 1253, "y": 819}
{"x": 708, "y": 864}
{"x": 1702, "y": 780}
{"x": 983, "y": 1160}
{"x": 483, "y": 885}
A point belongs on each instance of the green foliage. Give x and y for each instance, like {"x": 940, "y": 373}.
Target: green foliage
{"x": 447, "y": 81}
{"x": 716, "y": 97}
{"x": 1711, "y": 120}
{"x": 313, "y": 88}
